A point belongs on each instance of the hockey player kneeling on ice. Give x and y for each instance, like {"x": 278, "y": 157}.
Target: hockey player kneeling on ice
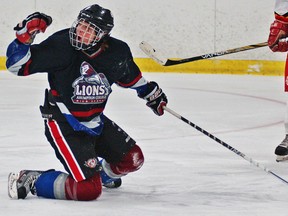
{"x": 82, "y": 62}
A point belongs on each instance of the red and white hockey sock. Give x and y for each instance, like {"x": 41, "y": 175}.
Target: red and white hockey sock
{"x": 131, "y": 162}
{"x": 59, "y": 185}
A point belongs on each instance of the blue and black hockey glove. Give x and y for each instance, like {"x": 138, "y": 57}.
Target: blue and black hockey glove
{"x": 156, "y": 98}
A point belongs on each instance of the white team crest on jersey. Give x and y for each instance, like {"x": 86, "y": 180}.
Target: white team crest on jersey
{"x": 91, "y": 163}
{"x": 91, "y": 87}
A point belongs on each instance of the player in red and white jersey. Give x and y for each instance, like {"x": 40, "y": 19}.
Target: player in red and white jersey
{"x": 277, "y": 42}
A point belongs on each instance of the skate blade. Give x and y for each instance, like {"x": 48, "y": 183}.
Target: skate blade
{"x": 12, "y": 185}
{"x": 282, "y": 158}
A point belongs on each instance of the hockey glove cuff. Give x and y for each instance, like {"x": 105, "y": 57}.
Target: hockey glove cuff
{"x": 32, "y": 25}
{"x": 156, "y": 98}
{"x": 278, "y": 30}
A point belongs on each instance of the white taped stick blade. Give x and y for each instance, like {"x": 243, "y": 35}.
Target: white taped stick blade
{"x": 12, "y": 185}
{"x": 152, "y": 53}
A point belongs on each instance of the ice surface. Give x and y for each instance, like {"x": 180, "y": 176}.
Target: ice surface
{"x": 185, "y": 172}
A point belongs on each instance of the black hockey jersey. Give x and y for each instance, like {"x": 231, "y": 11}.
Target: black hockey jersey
{"x": 79, "y": 81}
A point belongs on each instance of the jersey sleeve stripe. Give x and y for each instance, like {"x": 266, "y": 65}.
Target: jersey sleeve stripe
{"x": 132, "y": 83}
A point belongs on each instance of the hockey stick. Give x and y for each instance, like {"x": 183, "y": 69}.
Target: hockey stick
{"x": 156, "y": 56}
{"x": 255, "y": 163}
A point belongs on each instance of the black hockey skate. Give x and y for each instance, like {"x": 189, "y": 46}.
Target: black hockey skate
{"x": 20, "y": 184}
{"x": 281, "y": 150}
{"x": 113, "y": 184}
{"x": 107, "y": 181}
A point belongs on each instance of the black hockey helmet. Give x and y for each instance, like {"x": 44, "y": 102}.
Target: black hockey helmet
{"x": 99, "y": 19}
{"x": 99, "y": 16}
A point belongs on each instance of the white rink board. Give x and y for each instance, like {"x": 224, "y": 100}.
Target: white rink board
{"x": 183, "y": 29}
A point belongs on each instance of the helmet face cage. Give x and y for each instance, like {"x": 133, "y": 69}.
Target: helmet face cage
{"x": 91, "y": 34}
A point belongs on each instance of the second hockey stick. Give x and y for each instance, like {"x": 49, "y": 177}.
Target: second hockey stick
{"x": 158, "y": 57}
{"x": 250, "y": 160}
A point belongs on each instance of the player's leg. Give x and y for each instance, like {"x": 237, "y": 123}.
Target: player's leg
{"x": 121, "y": 155}
{"x": 281, "y": 150}
{"x": 76, "y": 152}
{"x": 65, "y": 187}
{"x": 52, "y": 184}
